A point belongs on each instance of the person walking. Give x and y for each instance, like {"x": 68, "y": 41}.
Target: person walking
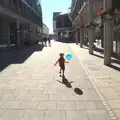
{"x": 49, "y": 41}
{"x": 45, "y": 41}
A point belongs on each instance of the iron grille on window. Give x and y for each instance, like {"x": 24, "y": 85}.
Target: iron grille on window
{"x": 116, "y": 4}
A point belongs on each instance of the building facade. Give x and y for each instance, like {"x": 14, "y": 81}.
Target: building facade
{"x": 45, "y": 31}
{"x": 97, "y": 19}
{"x": 62, "y": 26}
{"x": 55, "y": 14}
{"x": 19, "y": 23}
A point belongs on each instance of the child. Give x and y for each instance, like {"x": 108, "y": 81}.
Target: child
{"x": 62, "y": 62}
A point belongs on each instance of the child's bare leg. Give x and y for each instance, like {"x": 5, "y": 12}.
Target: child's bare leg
{"x": 63, "y": 72}
{"x": 60, "y": 70}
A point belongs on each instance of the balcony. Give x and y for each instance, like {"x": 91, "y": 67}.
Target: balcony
{"x": 63, "y": 21}
{"x": 21, "y": 8}
{"x": 76, "y": 8}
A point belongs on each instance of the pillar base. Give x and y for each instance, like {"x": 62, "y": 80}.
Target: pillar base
{"x": 81, "y": 46}
{"x": 91, "y": 52}
{"x": 107, "y": 62}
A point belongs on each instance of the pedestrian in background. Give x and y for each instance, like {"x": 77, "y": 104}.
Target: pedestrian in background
{"x": 45, "y": 41}
{"x": 49, "y": 41}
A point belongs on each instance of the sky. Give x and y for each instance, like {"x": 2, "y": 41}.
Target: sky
{"x": 50, "y": 6}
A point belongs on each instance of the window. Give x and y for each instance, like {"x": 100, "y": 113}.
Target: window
{"x": 20, "y": 4}
{"x": 14, "y": 1}
{"x": 24, "y": 9}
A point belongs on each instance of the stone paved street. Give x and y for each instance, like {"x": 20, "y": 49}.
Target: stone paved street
{"x": 106, "y": 80}
{"x": 33, "y": 90}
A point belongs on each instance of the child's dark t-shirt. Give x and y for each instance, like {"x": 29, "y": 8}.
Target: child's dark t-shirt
{"x": 61, "y": 61}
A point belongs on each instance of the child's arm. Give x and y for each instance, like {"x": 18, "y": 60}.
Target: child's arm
{"x": 56, "y": 63}
{"x": 66, "y": 61}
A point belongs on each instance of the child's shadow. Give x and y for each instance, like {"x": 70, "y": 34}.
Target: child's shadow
{"x": 65, "y": 82}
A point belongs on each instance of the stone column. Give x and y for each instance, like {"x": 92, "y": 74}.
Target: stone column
{"x": 8, "y": 43}
{"x": 78, "y": 31}
{"x": 76, "y": 36}
{"x": 18, "y": 33}
{"x": 22, "y": 35}
{"x": 5, "y": 32}
{"x": 73, "y": 36}
{"x": 81, "y": 37}
{"x": 90, "y": 30}
{"x": 108, "y": 35}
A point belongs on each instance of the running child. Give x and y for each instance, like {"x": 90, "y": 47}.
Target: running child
{"x": 61, "y": 62}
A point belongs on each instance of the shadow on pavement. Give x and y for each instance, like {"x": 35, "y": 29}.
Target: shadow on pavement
{"x": 114, "y": 67}
{"x": 65, "y": 41}
{"x": 115, "y": 63}
{"x": 17, "y": 56}
{"x": 78, "y": 91}
{"x": 65, "y": 82}
{"x": 100, "y": 50}
{"x": 68, "y": 85}
{"x": 98, "y": 56}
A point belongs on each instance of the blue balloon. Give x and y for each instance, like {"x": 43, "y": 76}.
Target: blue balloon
{"x": 68, "y": 56}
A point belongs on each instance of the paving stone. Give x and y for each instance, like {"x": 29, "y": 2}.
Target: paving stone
{"x": 66, "y": 91}
{"x": 47, "y": 105}
{"x": 111, "y": 115}
{"x": 33, "y": 115}
{"x": 99, "y": 105}
{"x": 2, "y": 111}
{"x": 98, "y": 115}
{"x": 8, "y": 96}
{"x": 54, "y": 115}
{"x": 28, "y": 105}
{"x": 112, "y": 96}
{"x": 117, "y": 113}
{"x": 41, "y": 97}
{"x": 108, "y": 90}
{"x": 1, "y": 102}
{"x": 92, "y": 97}
{"x": 21, "y": 91}
{"x": 24, "y": 97}
{"x": 51, "y": 90}
{"x": 80, "y": 106}
{"x": 76, "y": 115}
{"x": 66, "y": 105}
{"x": 73, "y": 97}
{"x": 10, "y": 104}
{"x": 12, "y": 115}
{"x": 110, "y": 112}
{"x": 36, "y": 90}
{"x": 57, "y": 97}
{"x": 114, "y": 103}
{"x": 95, "y": 105}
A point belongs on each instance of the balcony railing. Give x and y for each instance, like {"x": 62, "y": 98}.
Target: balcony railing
{"x": 76, "y": 8}
{"x": 23, "y": 9}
